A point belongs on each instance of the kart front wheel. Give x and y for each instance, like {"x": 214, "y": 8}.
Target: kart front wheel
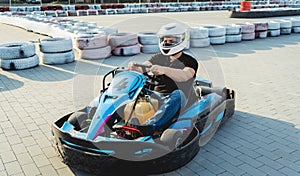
{"x": 172, "y": 138}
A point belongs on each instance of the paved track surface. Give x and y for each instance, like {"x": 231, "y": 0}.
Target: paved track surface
{"x": 262, "y": 138}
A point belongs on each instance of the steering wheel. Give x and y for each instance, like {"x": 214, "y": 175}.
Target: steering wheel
{"x": 151, "y": 80}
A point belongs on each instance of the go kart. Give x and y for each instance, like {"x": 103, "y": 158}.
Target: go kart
{"x": 109, "y": 136}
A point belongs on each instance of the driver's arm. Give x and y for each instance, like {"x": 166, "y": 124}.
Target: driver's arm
{"x": 138, "y": 69}
{"x": 178, "y": 75}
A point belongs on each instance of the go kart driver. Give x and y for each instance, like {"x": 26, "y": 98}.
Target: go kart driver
{"x": 174, "y": 72}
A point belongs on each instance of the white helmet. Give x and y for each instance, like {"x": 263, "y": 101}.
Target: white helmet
{"x": 177, "y": 33}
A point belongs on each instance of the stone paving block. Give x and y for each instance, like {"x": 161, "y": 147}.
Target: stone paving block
{"x": 250, "y": 161}
{"x": 34, "y": 150}
{"x": 233, "y": 160}
{"x": 28, "y": 141}
{"x": 56, "y": 163}
{"x": 194, "y": 166}
{"x": 30, "y": 169}
{"x": 24, "y": 159}
{"x": 251, "y": 170}
{"x": 269, "y": 170}
{"x": 213, "y": 168}
{"x": 287, "y": 171}
{"x": 231, "y": 168}
{"x": 206, "y": 173}
{"x": 185, "y": 171}
{"x": 250, "y": 153}
{"x": 23, "y": 133}
{"x": 289, "y": 164}
{"x": 8, "y": 156}
{"x": 1, "y": 165}
{"x": 10, "y": 132}
{"x": 13, "y": 168}
{"x": 65, "y": 171}
{"x": 14, "y": 140}
{"x": 269, "y": 162}
{"x": 41, "y": 160}
{"x": 225, "y": 174}
{"x": 49, "y": 152}
{"x": 4, "y": 147}
{"x": 48, "y": 171}
{"x": 3, "y": 173}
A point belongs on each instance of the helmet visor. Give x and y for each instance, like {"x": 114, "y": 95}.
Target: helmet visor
{"x": 171, "y": 41}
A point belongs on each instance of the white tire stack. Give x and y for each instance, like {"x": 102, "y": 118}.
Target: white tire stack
{"x": 149, "y": 42}
{"x": 216, "y": 34}
{"x": 199, "y": 37}
{"x": 273, "y": 29}
{"x": 57, "y": 51}
{"x": 261, "y": 29}
{"x": 285, "y": 27}
{"x": 17, "y": 56}
{"x": 248, "y": 31}
{"x": 92, "y": 46}
{"x": 124, "y": 44}
{"x": 233, "y": 33}
{"x": 295, "y": 25}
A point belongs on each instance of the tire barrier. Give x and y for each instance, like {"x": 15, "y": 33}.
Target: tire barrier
{"x": 218, "y": 40}
{"x": 215, "y": 30}
{"x": 55, "y": 45}
{"x": 91, "y": 42}
{"x": 233, "y": 38}
{"x": 122, "y": 39}
{"x": 16, "y": 50}
{"x": 149, "y": 42}
{"x": 199, "y": 32}
{"x": 148, "y": 38}
{"x": 200, "y": 43}
{"x": 58, "y": 58}
{"x": 295, "y": 25}
{"x": 127, "y": 50}
{"x": 248, "y": 31}
{"x": 273, "y": 29}
{"x": 233, "y": 33}
{"x": 261, "y": 29}
{"x": 20, "y": 63}
{"x": 94, "y": 54}
{"x": 57, "y": 51}
{"x": 71, "y": 13}
{"x": 199, "y": 37}
{"x": 216, "y": 34}
{"x": 233, "y": 29}
{"x": 61, "y": 13}
{"x": 285, "y": 27}
{"x": 150, "y": 49}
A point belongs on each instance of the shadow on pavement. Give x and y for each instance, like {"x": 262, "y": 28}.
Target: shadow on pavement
{"x": 7, "y": 84}
{"x": 43, "y": 73}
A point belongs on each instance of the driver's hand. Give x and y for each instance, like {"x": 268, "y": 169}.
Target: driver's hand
{"x": 132, "y": 67}
{"x": 157, "y": 70}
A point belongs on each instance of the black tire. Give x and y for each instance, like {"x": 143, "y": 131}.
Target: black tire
{"x": 171, "y": 138}
{"x": 78, "y": 120}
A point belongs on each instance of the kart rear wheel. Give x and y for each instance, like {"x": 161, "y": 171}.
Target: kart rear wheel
{"x": 78, "y": 120}
{"x": 172, "y": 138}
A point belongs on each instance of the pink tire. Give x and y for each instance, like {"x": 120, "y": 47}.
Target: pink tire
{"x": 248, "y": 36}
{"x": 127, "y": 50}
{"x": 261, "y": 26}
{"x": 97, "y": 53}
{"x": 261, "y": 34}
{"x": 247, "y": 27}
{"x": 91, "y": 42}
{"x": 123, "y": 39}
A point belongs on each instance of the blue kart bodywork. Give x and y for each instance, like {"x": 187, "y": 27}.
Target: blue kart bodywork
{"x": 99, "y": 149}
